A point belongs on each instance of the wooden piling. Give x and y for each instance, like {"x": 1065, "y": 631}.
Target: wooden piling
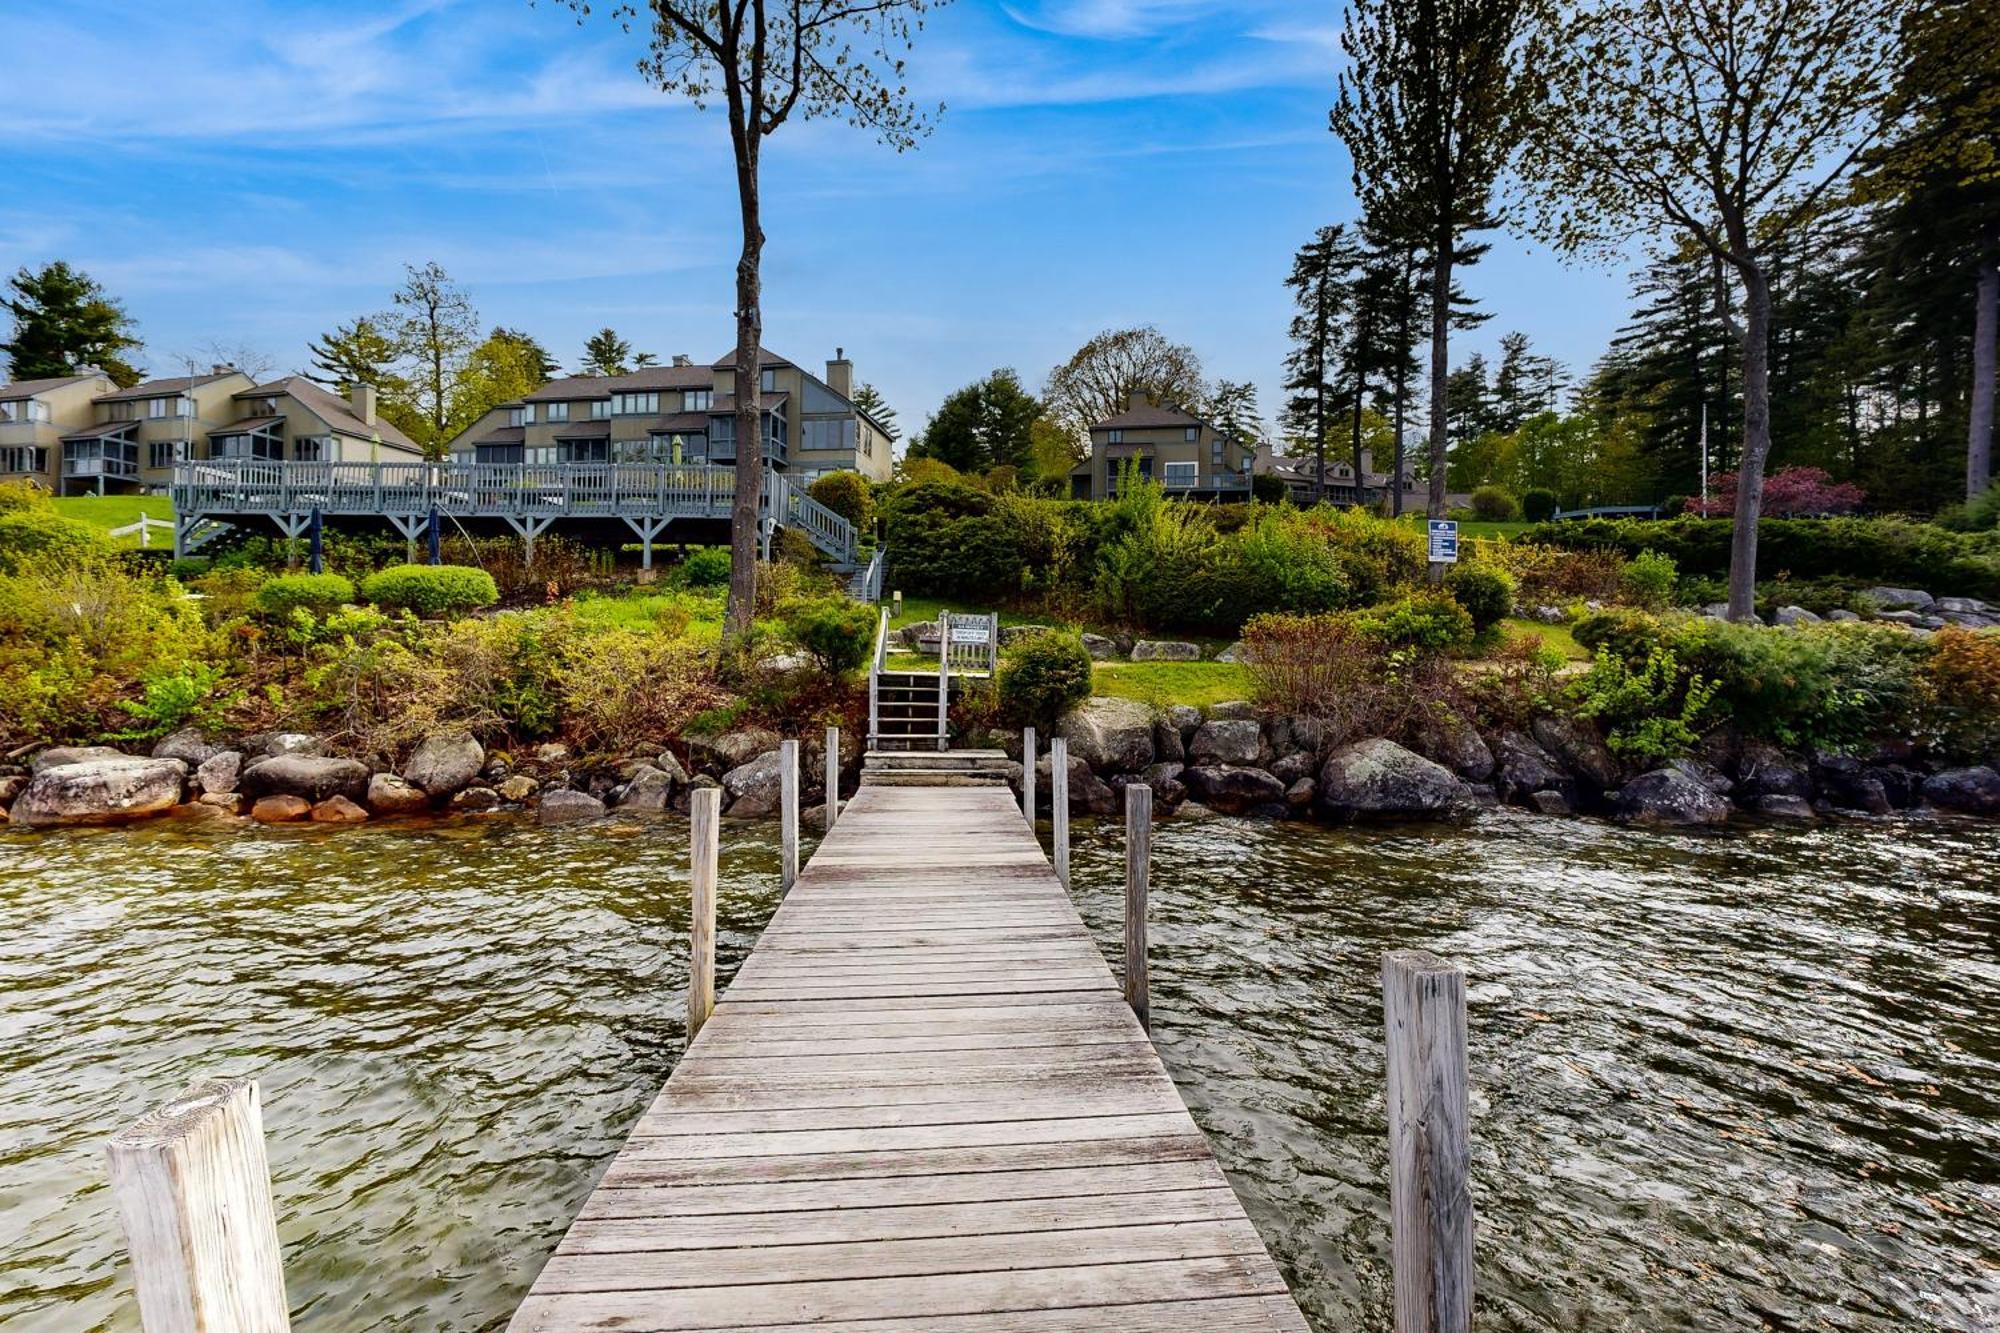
{"x": 1059, "y": 808}
{"x": 788, "y": 812}
{"x": 1430, "y": 1192}
{"x": 194, "y": 1189}
{"x": 1028, "y": 774}
{"x": 1138, "y": 874}
{"x": 704, "y": 852}
{"x": 832, "y": 776}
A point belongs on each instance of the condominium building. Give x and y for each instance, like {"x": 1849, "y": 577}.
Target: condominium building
{"x": 1185, "y": 454}
{"x": 82, "y": 433}
{"x": 686, "y": 413}
{"x": 1300, "y": 473}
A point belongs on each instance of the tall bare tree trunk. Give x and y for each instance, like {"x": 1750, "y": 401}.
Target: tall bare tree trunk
{"x": 742, "y": 607}
{"x": 1440, "y": 367}
{"x": 1985, "y": 351}
{"x": 1404, "y": 300}
{"x": 1756, "y": 442}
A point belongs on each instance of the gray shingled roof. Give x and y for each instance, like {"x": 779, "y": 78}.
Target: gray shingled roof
{"x": 1149, "y": 418}
{"x": 163, "y": 388}
{"x": 24, "y": 389}
{"x": 335, "y": 411}
{"x": 639, "y": 381}
{"x": 99, "y": 431}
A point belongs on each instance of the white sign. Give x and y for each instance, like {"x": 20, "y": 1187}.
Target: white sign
{"x": 1444, "y": 541}
{"x": 969, "y": 634}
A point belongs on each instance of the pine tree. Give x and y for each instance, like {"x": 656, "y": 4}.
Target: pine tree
{"x": 355, "y": 353}
{"x": 605, "y": 353}
{"x": 986, "y": 424}
{"x": 1322, "y": 287}
{"x": 63, "y": 320}
{"x": 869, "y": 400}
{"x": 1525, "y": 385}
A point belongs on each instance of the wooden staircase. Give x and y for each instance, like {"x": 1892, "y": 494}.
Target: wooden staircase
{"x": 936, "y": 768}
{"x": 907, "y": 711}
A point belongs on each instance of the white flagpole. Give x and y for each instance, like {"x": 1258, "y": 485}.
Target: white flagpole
{"x": 1704, "y": 456}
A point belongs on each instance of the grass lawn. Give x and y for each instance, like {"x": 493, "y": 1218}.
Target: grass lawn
{"x": 698, "y": 614}
{"x": 1557, "y": 637}
{"x": 928, "y": 608}
{"x": 1473, "y": 527}
{"x": 1163, "y": 683}
{"x": 116, "y": 511}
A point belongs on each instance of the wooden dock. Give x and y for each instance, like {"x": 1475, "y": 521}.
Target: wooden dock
{"x": 922, "y": 1104}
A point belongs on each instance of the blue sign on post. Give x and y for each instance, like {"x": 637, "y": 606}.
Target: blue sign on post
{"x": 1444, "y": 541}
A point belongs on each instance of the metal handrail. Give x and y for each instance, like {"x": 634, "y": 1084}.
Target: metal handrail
{"x": 875, "y": 666}
{"x": 944, "y": 680}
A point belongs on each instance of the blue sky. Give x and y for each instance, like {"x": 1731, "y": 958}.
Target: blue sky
{"x": 250, "y": 173}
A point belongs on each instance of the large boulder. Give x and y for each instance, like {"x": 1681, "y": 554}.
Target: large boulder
{"x": 312, "y": 778}
{"x": 1575, "y": 745}
{"x": 1165, "y": 780}
{"x": 651, "y": 791}
{"x": 388, "y": 794}
{"x": 218, "y": 771}
{"x": 1381, "y": 779}
{"x": 281, "y": 743}
{"x": 445, "y": 763}
{"x": 338, "y": 810}
{"x": 1088, "y": 793}
{"x": 1230, "y": 789}
{"x": 1848, "y": 784}
{"x": 281, "y": 809}
{"x": 1184, "y": 718}
{"x": 1969, "y": 791}
{"x": 187, "y": 745}
{"x": 569, "y": 807}
{"x": 1455, "y": 743}
{"x": 1100, "y": 648}
{"x": 1165, "y": 650}
{"x": 1900, "y": 599}
{"x": 754, "y": 789}
{"x": 1110, "y": 735}
{"x": 100, "y": 791}
{"x": 59, "y": 756}
{"x": 1523, "y": 768}
{"x": 1763, "y": 770}
{"x": 1232, "y": 710}
{"x": 732, "y": 749}
{"x": 1227, "y": 741}
{"x": 1670, "y": 798}
{"x": 1168, "y": 747}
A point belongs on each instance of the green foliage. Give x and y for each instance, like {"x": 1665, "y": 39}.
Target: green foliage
{"x": 706, "y": 567}
{"x": 1277, "y": 563}
{"x": 1653, "y": 711}
{"x": 316, "y": 593}
{"x": 1267, "y": 488}
{"x": 1538, "y": 504}
{"x": 1427, "y": 624}
{"x": 63, "y": 319}
{"x": 948, "y": 539}
{"x": 173, "y": 699}
{"x": 848, "y": 495}
{"x": 1649, "y": 580}
{"x": 1983, "y": 513}
{"x": 40, "y": 537}
{"x": 15, "y": 495}
{"x": 1959, "y": 699}
{"x": 836, "y": 631}
{"x": 1495, "y": 504}
{"x": 1043, "y": 676}
{"x": 431, "y": 590}
{"x": 1486, "y": 594}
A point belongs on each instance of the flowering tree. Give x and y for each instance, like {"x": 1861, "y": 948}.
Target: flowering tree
{"x": 1793, "y": 492}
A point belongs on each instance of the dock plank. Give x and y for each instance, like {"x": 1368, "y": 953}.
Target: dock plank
{"x": 921, "y": 1103}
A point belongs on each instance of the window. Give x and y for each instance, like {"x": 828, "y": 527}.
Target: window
{"x": 262, "y": 407}
{"x": 1215, "y": 453}
{"x": 8, "y": 411}
{"x": 24, "y": 460}
{"x": 1117, "y": 437}
{"x": 166, "y": 453}
{"x": 697, "y": 400}
{"x": 556, "y": 412}
{"x": 261, "y": 445}
{"x": 497, "y": 453}
{"x": 635, "y": 404}
{"x": 832, "y": 433}
{"x": 542, "y": 454}
{"x": 1193, "y": 434}
{"x": 311, "y": 450}
{"x": 768, "y": 380}
{"x": 124, "y": 411}
{"x": 600, "y": 409}
{"x": 1180, "y": 476}
{"x": 586, "y": 451}
{"x": 156, "y": 408}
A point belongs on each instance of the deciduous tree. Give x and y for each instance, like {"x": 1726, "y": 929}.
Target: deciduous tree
{"x": 1101, "y": 379}
{"x": 434, "y": 328}
{"x": 62, "y": 320}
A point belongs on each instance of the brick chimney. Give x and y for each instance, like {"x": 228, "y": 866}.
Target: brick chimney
{"x": 1139, "y": 401}
{"x": 364, "y": 403}
{"x": 840, "y": 373}
{"x": 683, "y": 359}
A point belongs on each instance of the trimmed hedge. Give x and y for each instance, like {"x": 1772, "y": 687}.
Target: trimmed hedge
{"x": 431, "y": 590}
{"x": 1869, "y": 550}
{"x": 317, "y": 593}
{"x": 1044, "y": 676}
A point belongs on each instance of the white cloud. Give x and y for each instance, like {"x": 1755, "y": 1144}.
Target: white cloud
{"x": 1108, "y": 18}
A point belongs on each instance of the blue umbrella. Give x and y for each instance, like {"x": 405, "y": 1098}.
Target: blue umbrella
{"x": 437, "y": 556}
{"x": 316, "y": 549}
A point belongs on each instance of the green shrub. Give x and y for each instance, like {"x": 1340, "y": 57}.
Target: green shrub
{"x": 1427, "y": 624}
{"x": 1267, "y": 488}
{"x": 1279, "y": 563}
{"x": 431, "y": 590}
{"x": 1630, "y": 635}
{"x": 947, "y": 539}
{"x": 848, "y": 495}
{"x": 837, "y": 632}
{"x": 19, "y": 495}
{"x": 1538, "y": 504}
{"x": 32, "y": 535}
{"x": 1653, "y": 711}
{"x": 1486, "y": 594}
{"x": 1959, "y": 700}
{"x": 706, "y": 567}
{"x": 189, "y": 568}
{"x": 317, "y": 593}
{"x": 1495, "y": 504}
{"x": 173, "y": 699}
{"x": 1044, "y": 676}
{"x": 1983, "y": 513}
{"x": 1823, "y": 687}
{"x": 1649, "y": 580}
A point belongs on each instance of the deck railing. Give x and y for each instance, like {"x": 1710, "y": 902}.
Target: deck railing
{"x": 875, "y": 665}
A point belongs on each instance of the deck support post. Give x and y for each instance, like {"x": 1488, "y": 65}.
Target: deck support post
{"x": 1138, "y": 875}
{"x": 194, "y": 1189}
{"x": 647, "y": 530}
{"x": 1059, "y": 804}
{"x": 1430, "y": 1192}
{"x": 704, "y": 833}
{"x": 1028, "y": 774}
{"x": 528, "y": 529}
{"x": 788, "y": 802}
{"x": 832, "y": 776}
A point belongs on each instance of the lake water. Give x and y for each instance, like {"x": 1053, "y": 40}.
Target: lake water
{"x": 1745, "y": 1081}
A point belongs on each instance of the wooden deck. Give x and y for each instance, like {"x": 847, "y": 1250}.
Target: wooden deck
{"x": 922, "y": 1104}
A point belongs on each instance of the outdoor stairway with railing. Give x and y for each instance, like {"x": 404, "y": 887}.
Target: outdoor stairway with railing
{"x": 911, "y": 710}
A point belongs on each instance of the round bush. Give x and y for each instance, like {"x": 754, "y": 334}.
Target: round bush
{"x": 838, "y": 632}
{"x": 846, "y": 494}
{"x": 317, "y": 593}
{"x": 706, "y": 567}
{"x": 1426, "y": 623}
{"x": 35, "y": 536}
{"x": 1486, "y": 594}
{"x": 1495, "y": 504}
{"x": 431, "y": 590}
{"x": 1538, "y": 505}
{"x": 1649, "y": 580}
{"x": 1267, "y": 487}
{"x": 1044, "y": 676}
